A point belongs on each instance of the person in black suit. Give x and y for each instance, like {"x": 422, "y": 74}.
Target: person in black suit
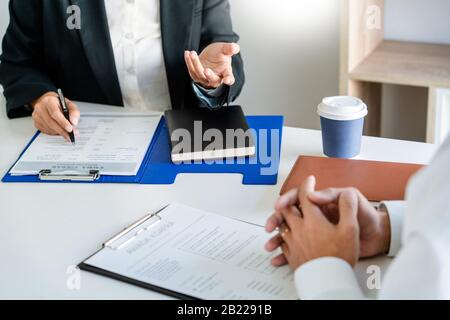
{"x": 42, "y": 53}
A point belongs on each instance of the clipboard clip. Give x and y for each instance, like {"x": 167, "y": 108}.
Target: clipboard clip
{"x": 48, "y": 175}
{"x": 155, "y": 215}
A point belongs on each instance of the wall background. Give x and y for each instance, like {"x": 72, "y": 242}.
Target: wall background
{"x": 418, "y": 20}
{"x": 291, "y": 52}
{"x": 4, "y": 18}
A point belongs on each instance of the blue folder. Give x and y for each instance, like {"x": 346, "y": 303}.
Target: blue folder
{"x": 157, "y": 167}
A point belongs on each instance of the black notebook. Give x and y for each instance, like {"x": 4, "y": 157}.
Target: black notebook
{"x": 203, "y": 134}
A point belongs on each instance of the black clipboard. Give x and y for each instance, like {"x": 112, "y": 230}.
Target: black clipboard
{"x": 145, "y": 285}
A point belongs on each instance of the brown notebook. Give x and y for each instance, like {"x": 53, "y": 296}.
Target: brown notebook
{"x": 378, "y": 181}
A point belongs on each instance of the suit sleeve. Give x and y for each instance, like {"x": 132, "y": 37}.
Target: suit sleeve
{"x": 22, "y": 69}
{"x": 217, "y": 27}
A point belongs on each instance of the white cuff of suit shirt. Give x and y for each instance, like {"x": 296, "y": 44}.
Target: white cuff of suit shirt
{"x": 327, "y": 278}
{"x": 334, "y": 278}
{"x": 395, "y": 211}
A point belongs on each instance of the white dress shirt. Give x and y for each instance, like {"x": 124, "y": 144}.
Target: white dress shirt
{"x": 420, "y": 240}
{"x": 135, "y": 33}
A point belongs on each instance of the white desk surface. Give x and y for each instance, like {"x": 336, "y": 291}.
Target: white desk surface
{"x": 45, "y": 228}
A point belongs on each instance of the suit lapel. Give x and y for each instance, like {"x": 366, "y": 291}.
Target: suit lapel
{"x": 94, "y": 34}
{"x": 176, "y": 23}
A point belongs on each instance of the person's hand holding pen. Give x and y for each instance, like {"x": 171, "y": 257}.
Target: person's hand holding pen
{"x": 49, "y": 118}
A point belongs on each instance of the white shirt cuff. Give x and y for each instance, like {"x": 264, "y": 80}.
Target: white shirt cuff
{"x": 395, "y": 211}
{"x": 327, "y": 278}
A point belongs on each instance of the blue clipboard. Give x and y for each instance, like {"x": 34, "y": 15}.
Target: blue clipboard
{"x": 157, "y": 166}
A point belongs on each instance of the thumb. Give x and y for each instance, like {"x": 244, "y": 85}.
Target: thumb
{"x": 308, "y": 186}
{"x": 348, "y": 208}
{"x": 230, "y": 49}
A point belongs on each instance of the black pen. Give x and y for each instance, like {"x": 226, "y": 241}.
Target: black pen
{"x": 65, "y": 111}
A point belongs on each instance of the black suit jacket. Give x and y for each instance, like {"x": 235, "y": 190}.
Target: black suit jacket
{"x": 41, "y": 54}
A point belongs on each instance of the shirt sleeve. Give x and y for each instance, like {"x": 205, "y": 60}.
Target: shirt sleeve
{"x": 419, "y": 272}
{"x": 327, "y": 278}
{"x": 395, "y": 211}
{"x": 211, "y": 98}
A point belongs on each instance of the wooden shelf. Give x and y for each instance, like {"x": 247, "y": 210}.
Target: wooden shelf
{"x": 406, "y": 63}
{"x": 368, "y": 61}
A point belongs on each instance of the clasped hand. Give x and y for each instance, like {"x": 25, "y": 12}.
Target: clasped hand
{"x": 337, "y": 223}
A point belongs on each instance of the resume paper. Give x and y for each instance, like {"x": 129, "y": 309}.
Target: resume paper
{"x": 114, "y": 144}
{"x": 200, "y": 255}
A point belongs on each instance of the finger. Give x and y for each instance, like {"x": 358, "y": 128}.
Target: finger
{"x": 230, "y": 49}
{"x": 327, "y": 200}
{"x": 330, "y": 198}
{"x": 348, "y": 208}
{"x": 285, "y": 249}
{"x": 274, "y": 243}
{"x": 228, "y": 77}
{"x": 56, "y": 114}
{"x": 190, "y": 66}
{"x": 279, "y": 261}
{"x": 73, "y": 112}
{"x": 198, "y": 67}
{"x": 292, "y": 219}
{"x": 309, "y": 209}
{"x": 306, "y": 189}
{"x": 323, "y": 197}
{"x": 213, "y": 79}
{"x": 57, "y": 130}
{"x": 52, "y": 126}
{"x": 40, "y": 125}
{"x": 274, "y": 222}
{"x": 287, "y": 200}
{"x": 286, "y": 233}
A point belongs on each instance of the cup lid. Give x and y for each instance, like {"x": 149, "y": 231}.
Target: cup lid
{"x": 342, "y": 108}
